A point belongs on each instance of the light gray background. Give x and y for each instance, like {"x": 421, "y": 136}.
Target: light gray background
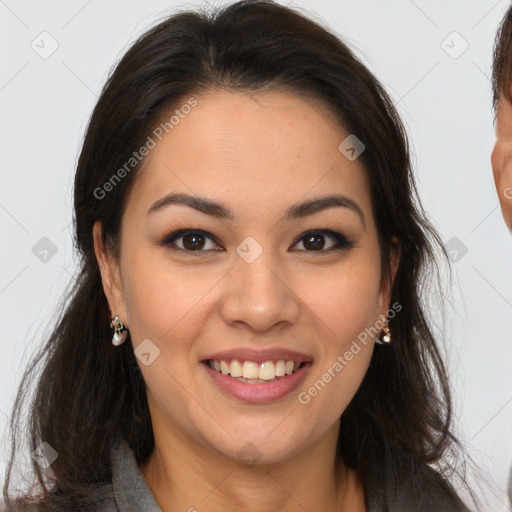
{"x": 444, "y": 101}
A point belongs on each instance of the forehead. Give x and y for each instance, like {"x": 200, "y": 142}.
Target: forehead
{"x": 256, "y": 150}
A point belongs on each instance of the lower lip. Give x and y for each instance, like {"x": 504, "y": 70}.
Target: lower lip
{"x": 258, "y": 393}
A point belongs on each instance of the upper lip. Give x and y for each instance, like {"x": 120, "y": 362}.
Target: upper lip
{"x": 259, "y": 356}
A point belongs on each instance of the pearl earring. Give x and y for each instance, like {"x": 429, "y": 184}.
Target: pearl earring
{"x": 387, "y": 335}
{"x": 119, "y": 337}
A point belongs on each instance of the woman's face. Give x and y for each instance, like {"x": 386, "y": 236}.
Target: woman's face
{"x": 254, "y": 283}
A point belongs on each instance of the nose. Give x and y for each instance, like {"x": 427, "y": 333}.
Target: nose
{"x": 259, "y": 295}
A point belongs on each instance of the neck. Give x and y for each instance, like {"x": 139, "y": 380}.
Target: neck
{"x": 184, "y": 475}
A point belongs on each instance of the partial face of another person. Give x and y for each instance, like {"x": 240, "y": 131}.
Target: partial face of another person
{"x": 501, "y": 159}
{"x": 250, "y": 277}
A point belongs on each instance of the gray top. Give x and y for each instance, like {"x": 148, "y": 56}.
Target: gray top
{"x": 129, "y": 491}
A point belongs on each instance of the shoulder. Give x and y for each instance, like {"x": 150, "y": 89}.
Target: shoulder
{"x": 411, "y": 485}
{"x": 425, "y": 490}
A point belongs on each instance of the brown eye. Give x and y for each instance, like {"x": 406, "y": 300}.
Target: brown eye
{"x": 190, "y": 241}
{"x": 314, "y": 241}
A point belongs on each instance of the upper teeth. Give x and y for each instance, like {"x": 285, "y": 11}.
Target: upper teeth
{"x": 251, "y": 370}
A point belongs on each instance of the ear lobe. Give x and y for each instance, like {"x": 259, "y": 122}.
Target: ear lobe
{"x": 110, "y": 275}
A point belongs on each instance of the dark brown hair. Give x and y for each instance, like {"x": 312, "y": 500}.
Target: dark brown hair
{"x": 502, "y": 61}
{"x": 89, "y": 392}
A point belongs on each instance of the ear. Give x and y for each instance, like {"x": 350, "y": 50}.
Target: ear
{"x": 387, "y": 284}
{"x": 110, "y": 276}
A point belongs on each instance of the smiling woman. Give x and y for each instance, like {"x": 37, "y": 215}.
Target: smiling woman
{"x": 269, "y": 246}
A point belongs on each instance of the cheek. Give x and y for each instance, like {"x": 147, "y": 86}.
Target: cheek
{"x": 497, "y": 161}
{"x": 346, "y": 299}
{"x": 347, "y": 320}
{"x": 343, "y": 306}
{"x": 501, "y": 161}
{"x": 163, "y": 302}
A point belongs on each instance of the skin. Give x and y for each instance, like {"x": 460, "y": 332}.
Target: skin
{"x": 257, "y": 154}
{"x": 501, "y": 159}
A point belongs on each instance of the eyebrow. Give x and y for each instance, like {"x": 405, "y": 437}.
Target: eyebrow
{"x": 296, "y": 211}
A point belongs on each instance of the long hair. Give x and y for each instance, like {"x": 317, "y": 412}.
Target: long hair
{"x": 90, "y": 392}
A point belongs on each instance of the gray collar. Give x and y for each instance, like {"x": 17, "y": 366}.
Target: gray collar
{"x": 131, "y": 491}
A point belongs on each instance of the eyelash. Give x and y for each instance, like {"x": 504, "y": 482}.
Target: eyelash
{"x": 342, "y": 243}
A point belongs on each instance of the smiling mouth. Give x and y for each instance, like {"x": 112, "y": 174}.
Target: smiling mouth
{"x": 255, "y": 373}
